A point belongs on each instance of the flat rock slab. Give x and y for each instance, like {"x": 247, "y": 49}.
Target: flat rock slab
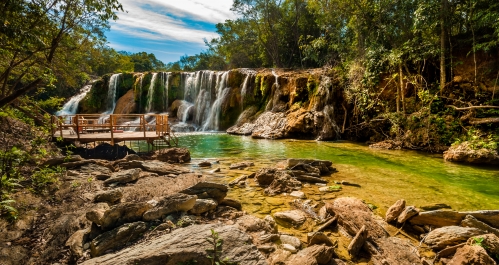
{"x": 443, "y": 237}
{"x": 123, "y": 177}
{"x": 155, "y": 166}
{"x": 207, "y": 190}
{"x": 177, "y": 202}
{"x": 241, "y": 165}
{"x": 117, "y": 238}
{"x": 120, "y": 214}
{"x": 185, "y": 245}
{"x": 440, "y": 218}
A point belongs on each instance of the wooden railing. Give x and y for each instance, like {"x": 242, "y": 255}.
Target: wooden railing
{"x": 87, "y": 123}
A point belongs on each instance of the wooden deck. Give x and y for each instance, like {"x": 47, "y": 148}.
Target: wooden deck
{"x": 115, "y": 128}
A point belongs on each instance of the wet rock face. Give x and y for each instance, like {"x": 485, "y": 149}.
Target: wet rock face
{"x": 465, "y": 153}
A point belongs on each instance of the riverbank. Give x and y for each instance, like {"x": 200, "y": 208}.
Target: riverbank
{"x": 62, "y": 230}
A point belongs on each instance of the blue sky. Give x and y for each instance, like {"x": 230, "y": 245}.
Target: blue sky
{"x": 167, "y": 28}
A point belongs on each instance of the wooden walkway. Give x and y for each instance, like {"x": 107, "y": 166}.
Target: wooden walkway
{"x": 113, "y": 128}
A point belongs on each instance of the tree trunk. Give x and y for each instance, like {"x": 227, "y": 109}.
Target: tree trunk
{"x": 401, "y": 90}
{"x": 443, "y": 38}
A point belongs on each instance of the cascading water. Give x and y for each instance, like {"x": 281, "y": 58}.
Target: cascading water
{"x": 167, "y": 83}
{"x": 71, "y": 106}
{"x": 150, "y": 93}
{"x": 111, "y": 98}
{"x": 212, "y": 123}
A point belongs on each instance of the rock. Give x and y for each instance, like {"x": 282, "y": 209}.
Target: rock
{"x": 97, "y": 212}
{"x": 61, "y": 159}
{"x": 117, "y": 238}
{"x": 102, "y": 176}
{"x": 298, "y": 194}
{"x": 237, "y": 180}
{"x": 464, "y": 152}
{"x": 407, "y": 214}
{"x": 393, "y": 250}
{"x": 134, "y": 157}
{"x": 435, "y": 206}
{"x": 232, "y": 203}
{"x": 289, "y": 248}
{"x": 291, "y": 163}
{"x": 173, "y": 155}
{"x": 203, "y": 206}
{"x": 282, "y": 183}
{"x": 155, "y": 166}
{"x": 265, "y": 176}
{"x": 266, "y": 248}
{"x": 475, "y": 255}
{"x": 204, "y": 164}
{"x": 449, "y": 236}
{"x": 440, "y": 218}
{"x": 395, "y": 210}
{"x": 241, "y": 165}
{"x": 319, "y": 238}
{"x": 312, "y": 255}
{"x": 290, "y": 240}
{"x": 470, "y": 221}
{"x": 489, "y": 241}
{"x": 293, "y": 217}
{"x": 187, "y": 244}
{"x": 123, "y": 177}
{"x": 110, "y": 196}
{"x": 387, "y": 145}
{"x": 357, "y": 242}
{"x": 169, "y": 204}
{"x": 330, "y": 189}
{"x": 207, "y": 190}
{"x": 122, "y": 213}
{"x": 250, "y": 223}
{"x": 279, "y": 256}
{"x": 265, "y": 238}
{"x": 310, "y": 179}
{"x": 216, "y": 170}
{"x": 323, "y": 214}
{"x": 76, "y": 242}
{"x": 347, "y": 183}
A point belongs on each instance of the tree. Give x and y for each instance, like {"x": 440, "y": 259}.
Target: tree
{"x": 36, "y": 34}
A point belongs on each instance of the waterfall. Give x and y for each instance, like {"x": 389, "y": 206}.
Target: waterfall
{"x": 183, "y": 110}
{"x": 212, "y": 123}
{"x": 71, "y": 107}
{"x": 203, "y": 100}
{"x": 166, "y": 90}
{"x": 150, "y": 93}
{"x": 111, "y": 98}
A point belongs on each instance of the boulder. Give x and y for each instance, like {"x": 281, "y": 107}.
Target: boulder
{"x": 449, "y": 236}
{"x": 207, "y": 190}
{"x": 407, "y": 214}
{"x": 475, "y": 255}
{"x": 241, "y": 165}
{"x": 290, "y": 240}
{"x": 173, "y": 155}
{"x": 117, "y": 238}
{"x": 120, "y": 214}
{"x": 464, "y": 152}
{"x": 155, "y": 166}
{"x": 185, "y": 245}
{"x": 250, "y": 223}
{"x": 204, "y": 164}
{"x": 109, "y": 196}
{"x": 470, "y": 221}
{"x": 313, "y": 255}
{"x": 203, "y": 206}
{"x": 169, "y": 204}
{"x": 293, "y": 217}
{"x": 489, "y": 241}
{"x": 123, "y": 177}
{"x": 395, "y": 210}
{"x": 97, "y": 212}
{"x": 319, "y": 238}
{"x": 232, "y": 203}
{"x": 282, "y": 183}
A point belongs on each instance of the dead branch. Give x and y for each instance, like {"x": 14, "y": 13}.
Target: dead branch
{"x": 473, "y": 107}
{"x": 475, "y": 121}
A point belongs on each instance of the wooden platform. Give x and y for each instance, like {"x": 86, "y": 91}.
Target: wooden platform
{"x": 88, "y": 128}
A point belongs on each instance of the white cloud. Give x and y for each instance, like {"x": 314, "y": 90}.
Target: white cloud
{"x": 164, "y": 19}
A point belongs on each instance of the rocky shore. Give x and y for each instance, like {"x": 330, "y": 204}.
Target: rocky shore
{"x": 155, "y": 210}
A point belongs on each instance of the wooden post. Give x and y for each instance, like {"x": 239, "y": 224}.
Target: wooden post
{"x": 60, "y": 125}
{"x": 167, "y": 126}
{"x": 52, "y": 122}
{"x": 158, "y": 124}
{"x": 78, "y": 126}
{"x": 111, "y": 125}
{"x": 144, "y": 125}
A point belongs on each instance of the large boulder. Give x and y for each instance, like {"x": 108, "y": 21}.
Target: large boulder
{"x": 293, "y": 217}
{"x": 123, "y": 177}
{"x": 208, "y": 190}
{"x": 119, "y": 214}
{"x": 177, "y": 202}
{"x": 475, "y": 255}
{"x": 117, "y": 238}
{"x": 450, "y": 236}
{"x": 173, "y": 155}
{"x": 186, "y": 245}
{"x": 466, "y": 153}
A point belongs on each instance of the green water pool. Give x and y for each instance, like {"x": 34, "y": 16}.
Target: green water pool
{"x": 384, "y": 175}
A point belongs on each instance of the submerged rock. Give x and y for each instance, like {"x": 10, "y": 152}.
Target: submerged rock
{"x": 241, "y": 165}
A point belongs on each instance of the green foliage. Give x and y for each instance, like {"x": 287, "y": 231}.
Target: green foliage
{"x": 44, "y": 177}
{"x": 334, "y": 188}
{"x": 216, "y": 251}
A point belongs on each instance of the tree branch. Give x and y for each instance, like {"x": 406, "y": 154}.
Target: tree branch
{"x": 473, "y": 107}
{"x": 476, "y": 121}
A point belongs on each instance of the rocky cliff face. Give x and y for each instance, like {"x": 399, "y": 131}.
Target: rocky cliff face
{"x": 263, "y": 103}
